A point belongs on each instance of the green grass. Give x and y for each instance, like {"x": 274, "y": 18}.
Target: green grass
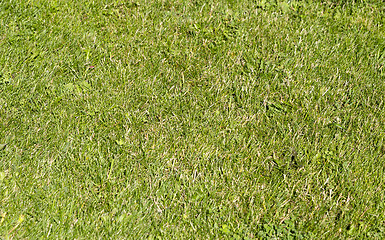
{"x": 192, "y": 119}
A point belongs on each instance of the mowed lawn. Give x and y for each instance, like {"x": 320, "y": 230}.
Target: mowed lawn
{"x": 176, "y": 119}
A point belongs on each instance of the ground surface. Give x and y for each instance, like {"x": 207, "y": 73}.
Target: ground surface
{"x": 192, "y": 119}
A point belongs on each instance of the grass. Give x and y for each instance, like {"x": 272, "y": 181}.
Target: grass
{"x": 192, "y": 119}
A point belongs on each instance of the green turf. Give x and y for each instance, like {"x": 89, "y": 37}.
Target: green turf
{"x": 194, "y": 119}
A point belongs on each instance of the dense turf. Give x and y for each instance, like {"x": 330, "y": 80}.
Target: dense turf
{"x": 192, "y": 119}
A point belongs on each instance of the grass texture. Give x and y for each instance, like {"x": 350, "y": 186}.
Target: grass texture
{"x": 193, "y": 119}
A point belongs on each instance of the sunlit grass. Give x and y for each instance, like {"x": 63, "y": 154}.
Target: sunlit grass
{"x": 192, "y": 119}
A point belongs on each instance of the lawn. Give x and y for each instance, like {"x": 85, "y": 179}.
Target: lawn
{"x": 157, "y": 119}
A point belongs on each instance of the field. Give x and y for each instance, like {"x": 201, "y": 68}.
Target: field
{"x": 155, "y": 119}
